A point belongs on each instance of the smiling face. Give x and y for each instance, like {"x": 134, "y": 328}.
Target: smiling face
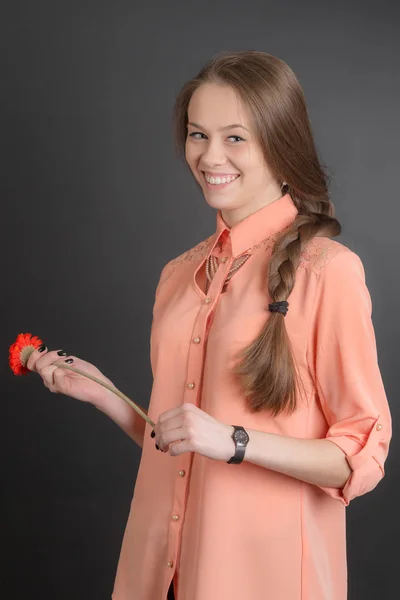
{"x": 221, "y": 143}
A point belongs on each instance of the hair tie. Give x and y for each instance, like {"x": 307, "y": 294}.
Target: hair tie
{"x": 281, "y": 307}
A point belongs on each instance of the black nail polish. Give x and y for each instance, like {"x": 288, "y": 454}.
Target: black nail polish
{"x": 153, "y": 433}
{"x": 157, "y": 447}
{"x": 62, "y": 353}
{"x": 42, "y": 347}
{"x": 69, "y": 360}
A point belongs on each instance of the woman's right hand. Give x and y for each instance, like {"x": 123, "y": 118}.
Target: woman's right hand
{"x": 64, "y": 381}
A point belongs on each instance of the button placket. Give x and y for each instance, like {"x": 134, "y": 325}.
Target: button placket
{"x": 195, "y": 365}
{"x": 192, "y": 394}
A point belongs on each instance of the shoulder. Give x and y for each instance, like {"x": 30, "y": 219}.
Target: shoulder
{"x": 325, "y": 254}
{"x": 195, "y": 254}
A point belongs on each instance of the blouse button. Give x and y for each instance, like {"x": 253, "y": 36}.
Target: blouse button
{"x": 208, "y": 300}
{"x": 170, "y": 563}
{"x": 182, "y": 473}
{"x": 190, "y": 386}
{"x": 196, "y": 340}
{"x": 379, "y": 426}
{"x": 175, "y": 517}
{"x": 223, "y": 259}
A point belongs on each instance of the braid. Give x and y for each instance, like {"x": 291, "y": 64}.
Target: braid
{"x": 270, "y": 354}
{"x": 287, "y": 250}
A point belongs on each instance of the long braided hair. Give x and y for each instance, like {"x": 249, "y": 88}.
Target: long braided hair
{"x": 270, "y": 90}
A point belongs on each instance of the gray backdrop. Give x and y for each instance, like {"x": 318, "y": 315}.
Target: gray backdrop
{"x": 94, "y": 203}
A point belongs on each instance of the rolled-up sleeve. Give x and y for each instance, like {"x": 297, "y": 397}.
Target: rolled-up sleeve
{"x": 343, "y": 360}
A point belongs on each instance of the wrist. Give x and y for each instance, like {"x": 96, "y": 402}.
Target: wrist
{"x": 232, "y": 445}
{"x": 103, "y": 396}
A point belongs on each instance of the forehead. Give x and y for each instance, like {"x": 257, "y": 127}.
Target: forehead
{"x": 213, "y": 106}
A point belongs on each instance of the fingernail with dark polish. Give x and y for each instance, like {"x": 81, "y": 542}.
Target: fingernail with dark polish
{"x": 157, "y": 447}
{"x": 153, "y": 433}
{"x": 69, "y": 360}
{"x": 62, "y": 353}
{"x": 42, "y": 347}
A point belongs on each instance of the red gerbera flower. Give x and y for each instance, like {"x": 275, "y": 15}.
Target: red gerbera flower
{"x": 21, "y": 350}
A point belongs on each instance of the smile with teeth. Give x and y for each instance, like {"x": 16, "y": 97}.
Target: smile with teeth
{"x": 220, "y": 180}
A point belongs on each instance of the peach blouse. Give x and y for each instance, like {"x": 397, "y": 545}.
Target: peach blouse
{"x": 243, "y": 531}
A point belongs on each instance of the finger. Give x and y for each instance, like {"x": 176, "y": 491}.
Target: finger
{"x": 53, "y": 378}
{"x": 48, "y": 359}
{"x": 46, "y": 374}
{"x": 169, "y": 437}
{"x": 171, "y": 423}
{"x": 180, "y": 448}
{"x": 34, "y": 357}
{"x": 182, "y": 408}
{"x": 169, "y": 413}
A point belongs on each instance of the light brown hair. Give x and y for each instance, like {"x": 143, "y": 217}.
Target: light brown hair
{"x": 273, "y": 96}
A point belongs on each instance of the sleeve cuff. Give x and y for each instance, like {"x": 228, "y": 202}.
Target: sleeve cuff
{"x": 366, "y": 462}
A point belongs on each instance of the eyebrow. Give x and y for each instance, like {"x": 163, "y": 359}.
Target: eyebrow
{"x": 222, "y": 128}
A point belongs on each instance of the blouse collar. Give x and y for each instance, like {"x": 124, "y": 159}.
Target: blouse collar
{"x": 258, "y": 226}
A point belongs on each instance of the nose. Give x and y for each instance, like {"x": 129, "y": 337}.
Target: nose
{"x": 213, "y": 154}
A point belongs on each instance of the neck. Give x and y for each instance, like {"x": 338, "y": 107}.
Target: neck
{"x": 235, "y": 215}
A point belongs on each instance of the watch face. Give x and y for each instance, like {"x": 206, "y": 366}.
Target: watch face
{"x": 241, "y": 436}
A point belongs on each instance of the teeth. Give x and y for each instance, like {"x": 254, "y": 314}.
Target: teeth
{"x": 220, "y": 180}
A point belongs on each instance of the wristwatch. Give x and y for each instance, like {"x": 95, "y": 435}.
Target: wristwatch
{"x": 241, "y": 438}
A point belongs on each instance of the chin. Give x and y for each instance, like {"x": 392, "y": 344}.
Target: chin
{"x": 220, "y": 202}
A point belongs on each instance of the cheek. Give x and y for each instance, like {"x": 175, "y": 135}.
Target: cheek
{"x": 251, "y": 160}
{"x": 258, "y": 172}
{"x": 243, "y": 159}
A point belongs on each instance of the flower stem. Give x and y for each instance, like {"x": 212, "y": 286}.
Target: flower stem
{"x": 109, "y": 387}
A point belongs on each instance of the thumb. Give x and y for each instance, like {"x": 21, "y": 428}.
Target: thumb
{"x": 61, "y": 379}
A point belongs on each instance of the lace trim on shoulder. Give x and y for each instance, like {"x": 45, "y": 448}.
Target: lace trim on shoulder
{"x": 197, "y": 252}
{"x": 319, "y": 252}
{"x": 266, "y": 244}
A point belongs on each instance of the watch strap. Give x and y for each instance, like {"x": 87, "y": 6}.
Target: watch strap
{"x": 240, "y": 449}
{"x": 238, "y": 457}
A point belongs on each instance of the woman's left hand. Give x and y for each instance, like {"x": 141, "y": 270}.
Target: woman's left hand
{"x": 187, "y": 428}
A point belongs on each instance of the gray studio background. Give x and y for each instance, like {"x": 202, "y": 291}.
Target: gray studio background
{"x": 94, "y": 203}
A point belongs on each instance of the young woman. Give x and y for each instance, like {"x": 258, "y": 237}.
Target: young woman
{"x": 270, "y": 410}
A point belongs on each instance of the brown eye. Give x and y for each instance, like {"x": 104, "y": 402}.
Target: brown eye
{"x": 237, "y": 137}
{"x": 195, "y": 133}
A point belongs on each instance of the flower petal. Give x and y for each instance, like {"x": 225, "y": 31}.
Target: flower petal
{"x": 23, "y": 340}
